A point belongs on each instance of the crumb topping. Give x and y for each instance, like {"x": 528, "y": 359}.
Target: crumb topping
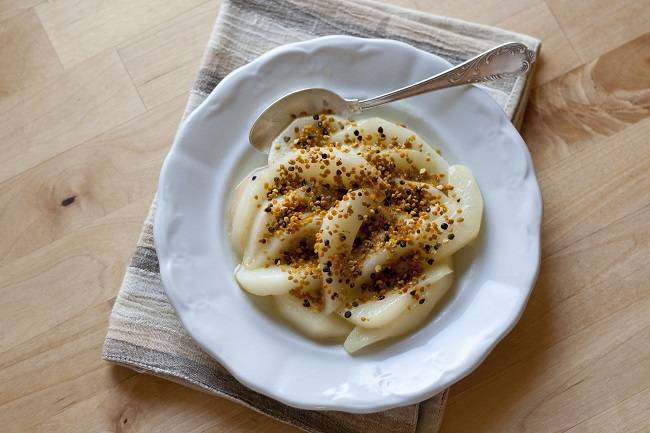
{"x": 405, "y": 212}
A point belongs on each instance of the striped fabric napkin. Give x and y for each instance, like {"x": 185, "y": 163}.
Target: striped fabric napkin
{"x": 144, "y": 332}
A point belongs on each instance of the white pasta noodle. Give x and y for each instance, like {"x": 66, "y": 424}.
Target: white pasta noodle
{"x": 255, "y": 253}
{"x": 283, "y": 242}
{"x": 281, "y": 145}
{"x": 312, "y": 323}
{"x": 362, "y": 337}
{"x": 351, "y": 228}
{"x": 340, "y": 233}
{"x": 381, "y": 313}
{"x": 471, "y": 206}
{"x": 273, "y": 280}
{"x": 244, "y": 213}
{"x": 417, "y": 160}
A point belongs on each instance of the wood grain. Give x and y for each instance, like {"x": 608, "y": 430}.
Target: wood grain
{"x": 40, "y": 122}
{"x": 90, "y": 96}
{"x": 589, "y": 103}
{"x": 576, "y": 277}
{"x": 27, "y": 55}
{"x": 631, "y": 415}
{"x": 488, "y": 12}
{"x": 10, "y": 8}
{"x": 581, "y": 202}
{"x": 101, "y": 249}
{"x": 82, "y": 29}
{"x": 52, "y": 362}
{"x": 557, "y": 55}
{"x": 162, "y": 61}
{"x": 565, "y": 385}
{"x": 84, "y": 183}
{"x": 598, "y": 26}
{"x": 55, "y": 364}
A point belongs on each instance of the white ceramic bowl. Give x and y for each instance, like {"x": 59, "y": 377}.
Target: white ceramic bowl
{"x": 211, "y": 154}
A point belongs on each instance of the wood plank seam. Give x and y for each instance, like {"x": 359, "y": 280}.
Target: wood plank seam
{"x": 566, "y": 36}
{"x": 130, "y": 78}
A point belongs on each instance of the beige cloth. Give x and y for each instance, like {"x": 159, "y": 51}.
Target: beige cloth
{"x": 144, "y": 332}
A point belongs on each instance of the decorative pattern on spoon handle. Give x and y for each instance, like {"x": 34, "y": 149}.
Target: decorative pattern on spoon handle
{"x": 505, "y": 61}
{"x": 478, "y": 69}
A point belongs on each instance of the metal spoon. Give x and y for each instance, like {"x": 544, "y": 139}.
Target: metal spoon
{"x": 504, "y": 61}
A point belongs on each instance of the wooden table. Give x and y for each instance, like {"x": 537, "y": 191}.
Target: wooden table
{"x": 91, "y": 93}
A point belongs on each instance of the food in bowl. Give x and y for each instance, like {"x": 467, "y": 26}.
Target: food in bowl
{"x": 351, "y": 228}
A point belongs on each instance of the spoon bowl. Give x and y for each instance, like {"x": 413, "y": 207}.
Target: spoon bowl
{"x": 304, "y": 102}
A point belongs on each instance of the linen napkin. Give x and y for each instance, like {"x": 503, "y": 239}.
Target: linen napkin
{"x": 144, "y": 332}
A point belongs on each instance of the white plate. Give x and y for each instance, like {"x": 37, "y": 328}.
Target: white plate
{"x": 211, "y": 154}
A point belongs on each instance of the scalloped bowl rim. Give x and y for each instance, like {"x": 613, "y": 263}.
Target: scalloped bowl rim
{"x": 185, "y": 263}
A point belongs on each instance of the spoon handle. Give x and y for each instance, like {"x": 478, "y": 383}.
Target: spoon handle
{"x": 504, "y": 61}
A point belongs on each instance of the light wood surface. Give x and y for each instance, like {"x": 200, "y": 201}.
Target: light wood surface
{"x": 91, "y": 93}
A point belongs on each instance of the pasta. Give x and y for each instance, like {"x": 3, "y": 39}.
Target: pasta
{"x": 351, "y": 228}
